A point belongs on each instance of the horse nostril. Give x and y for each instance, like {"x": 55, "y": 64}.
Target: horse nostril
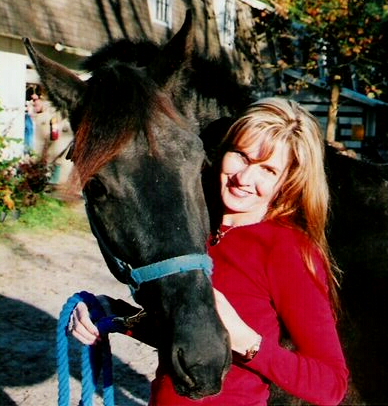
{"x": 228, "y": 358}
{"x": 182, "y": 370}
{"x": 195, "y": 376}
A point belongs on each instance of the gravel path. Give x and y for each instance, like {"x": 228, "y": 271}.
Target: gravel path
{"x": 38, "y": 273}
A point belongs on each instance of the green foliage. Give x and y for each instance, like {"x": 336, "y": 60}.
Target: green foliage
{"x": 47, "y": 214}
{"x": 24, "y": 202}
{"x": 352, "y": 34}
{"x": 352, "y": 26}
{"x": 22, "y": 179}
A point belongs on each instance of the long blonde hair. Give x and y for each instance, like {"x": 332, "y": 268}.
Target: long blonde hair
{"x": 303, "y": 200}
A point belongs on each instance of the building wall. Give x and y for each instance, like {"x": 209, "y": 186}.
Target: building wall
{"x": 12, "y": 90}
{"x": 80, "y": 23}
{"x": 66, "y": 31}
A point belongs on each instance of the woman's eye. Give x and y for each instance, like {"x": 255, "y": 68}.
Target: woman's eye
{"x": 95, "y": 188}
{"x": 269, "y": 170}
{"x": 242, "y": 156}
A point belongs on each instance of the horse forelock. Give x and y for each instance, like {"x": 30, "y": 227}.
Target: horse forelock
{"x": 121, "y": 104}
{"x": 139, "y": 53}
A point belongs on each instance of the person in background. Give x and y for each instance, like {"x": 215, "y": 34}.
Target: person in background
{"x": 29, "y": 125}
{"x": 41, "y": 113}
{"x": 38, "y": 104}
{"x": 47, "y": 133}
{"x": 273, "y": 275}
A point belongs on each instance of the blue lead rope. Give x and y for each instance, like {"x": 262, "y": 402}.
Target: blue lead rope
{"x": 94, "y": 358}
{"x": 99, "y": 357}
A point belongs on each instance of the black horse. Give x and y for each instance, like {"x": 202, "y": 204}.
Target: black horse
{"x": 358, "y": 236}
{"x": 139, "y": 159}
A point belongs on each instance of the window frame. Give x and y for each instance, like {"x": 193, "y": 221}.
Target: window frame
{"x": 225, "y": 11}
{"x": 156, "y": 15}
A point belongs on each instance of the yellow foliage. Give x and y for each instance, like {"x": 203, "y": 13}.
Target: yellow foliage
{"x": 7, "y": 199}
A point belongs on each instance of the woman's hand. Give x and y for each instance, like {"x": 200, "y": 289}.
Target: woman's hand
{"x": 242, "y": 337}
{"x": 81, "y": 326}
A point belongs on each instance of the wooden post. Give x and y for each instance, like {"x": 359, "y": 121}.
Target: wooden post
{"x": 333, "y": 109}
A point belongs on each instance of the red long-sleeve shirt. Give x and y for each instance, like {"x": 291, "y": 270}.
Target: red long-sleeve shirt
{"x": 260, "y": 270}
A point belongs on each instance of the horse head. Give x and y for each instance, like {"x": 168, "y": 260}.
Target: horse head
{"x": 139, "y": 159}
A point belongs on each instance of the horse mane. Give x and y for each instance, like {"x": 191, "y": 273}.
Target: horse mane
{"x": 215, "y": 78}
{"x": 121, "y": 101}
{"x": 138, "y": 53}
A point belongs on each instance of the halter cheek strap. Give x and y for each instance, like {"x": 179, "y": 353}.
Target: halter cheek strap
{"x": 172, "y": 266}
{"x": 136, "y": 276}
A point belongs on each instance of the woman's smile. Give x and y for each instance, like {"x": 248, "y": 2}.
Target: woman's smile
{"x": 236, "y": 190}
{"x": 248, "y": 186}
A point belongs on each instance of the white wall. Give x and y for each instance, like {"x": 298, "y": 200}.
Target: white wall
{"x": 12, "y": 94}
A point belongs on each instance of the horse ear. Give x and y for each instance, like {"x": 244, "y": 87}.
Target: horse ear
{"x": 63, "y": 86}
{"x": 176, "y": 54}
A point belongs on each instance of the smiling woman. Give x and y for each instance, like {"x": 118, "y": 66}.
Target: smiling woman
{"x": 249, "y": 184}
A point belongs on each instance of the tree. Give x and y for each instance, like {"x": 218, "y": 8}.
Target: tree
{"x": 344, "y": 42}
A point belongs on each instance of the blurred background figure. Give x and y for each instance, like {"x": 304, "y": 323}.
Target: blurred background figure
{"x": 47, "y": 133}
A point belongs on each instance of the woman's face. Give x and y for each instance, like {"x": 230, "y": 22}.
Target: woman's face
{"x": 248, "y": 187}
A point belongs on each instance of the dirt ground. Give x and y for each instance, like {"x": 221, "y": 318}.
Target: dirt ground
{"x": 38, "y": 273}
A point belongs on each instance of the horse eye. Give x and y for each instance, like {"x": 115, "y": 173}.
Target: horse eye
{"x": 95, "y": 188}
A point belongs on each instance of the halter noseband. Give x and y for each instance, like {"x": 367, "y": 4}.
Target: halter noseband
{"x": 172, "y": 266}
{"x": 134, "y": 277}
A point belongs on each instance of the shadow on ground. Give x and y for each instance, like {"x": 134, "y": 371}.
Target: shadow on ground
{"x": 28, "y": 354}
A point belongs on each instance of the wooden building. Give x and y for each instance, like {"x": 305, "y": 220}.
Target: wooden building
{"x": 360, "y": 119}
{"x": 67, "y": 31}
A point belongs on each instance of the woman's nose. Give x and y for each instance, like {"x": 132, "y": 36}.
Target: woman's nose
{"x": 248, "y": 175}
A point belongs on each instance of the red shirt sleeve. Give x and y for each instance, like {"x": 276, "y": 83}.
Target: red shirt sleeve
{"x": 316, "y": 370}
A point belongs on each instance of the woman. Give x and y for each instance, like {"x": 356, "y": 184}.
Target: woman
{"x": 271, "y": 263}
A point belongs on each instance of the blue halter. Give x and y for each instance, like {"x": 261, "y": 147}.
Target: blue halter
{"x": 156, "y": 270}
{"x": 172, "y": 266}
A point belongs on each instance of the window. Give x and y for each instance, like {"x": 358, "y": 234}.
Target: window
{"x": 225, "y": 11}
{"x": 161, "y": 11}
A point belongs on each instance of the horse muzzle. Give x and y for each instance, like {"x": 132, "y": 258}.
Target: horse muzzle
{"x": 199, "y": 373}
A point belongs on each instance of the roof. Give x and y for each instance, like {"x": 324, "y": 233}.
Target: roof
{"x": 81, "y": 24}
{"x": 258, "y": 5}
{"x": 347, "y": 93}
